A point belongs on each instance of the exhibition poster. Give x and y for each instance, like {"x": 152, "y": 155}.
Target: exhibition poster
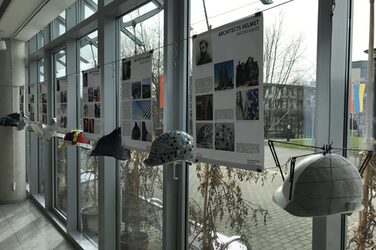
{"x": 21, "y": 92}
{"x": 61, "y": 106}
{"x": 136, "y": 101}
{"x": 227, "y": 85}
{"x": 42, "y": 105}
{"x": 31, "y": 101}
{"x": 91, "y": 104}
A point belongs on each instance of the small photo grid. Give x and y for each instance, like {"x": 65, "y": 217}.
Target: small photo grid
{"x": 204, "y": 135}
{"x": 247, "y": 73}
{"x": 141, "y": 131}
{"x": 126, "y": 69}
{"x": 224, "y": 136}
{"x": 224, "y": 75}
{"x": 247, "y": 104}
{"x": 89, "y": 125}
{"x": 204, "y": 107}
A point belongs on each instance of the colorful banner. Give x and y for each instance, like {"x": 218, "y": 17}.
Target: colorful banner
{"x": 137, "y": 102}
{"x": 357, "y": 97}
{"x": 91, "y": 105}
{"x": 227, "y": 79}
{"x": 61, "y": 103}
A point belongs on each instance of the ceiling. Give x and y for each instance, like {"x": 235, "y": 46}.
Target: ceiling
{"x": 22, "y": 19}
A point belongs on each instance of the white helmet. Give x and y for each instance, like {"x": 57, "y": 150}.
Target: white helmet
{"x": 322, "y": 185}
{"x": 170, "y": 146}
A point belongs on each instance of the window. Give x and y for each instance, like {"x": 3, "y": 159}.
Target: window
{"x": 87, "y": 8}
{"x": 59, "y": 25}
{"x": 213, "y": 188}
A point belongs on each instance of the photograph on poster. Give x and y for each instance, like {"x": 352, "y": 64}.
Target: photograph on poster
{"x": 126, "y": 69}
{"x": 97, "y": 110}
{"x": 224, "y": 75}
{"x": 90, "y": 92}
{"x": 63, "y": 109}
{"x": 204, "y": 107}
{"x": 63, "y": 122}
{"x": 141, "y": 110}
{"x": 247, "y": 104}
{"x": 63, "y": 96}
{"x": 224, "y": 136}
{"x": 146, "y": 88}
{"x": 136, "y": 90}
{"x": 247, "y": 73}
{"x": 84, "y": 79}
{"x": 136, "y": 131}
{"x": 44, "y": 98}
{"x": 44, "y": 108}
{"x": 97, "y": 93}
{"x": 146, "y": 131}
{"x": 204, "y": 51}
{"x": 58, "y": 85}
{"x": 86, "y": 125}
{"x": 86, "y": 110}
{"x": 90, "y": 125}
{"x": 204, "y": 135}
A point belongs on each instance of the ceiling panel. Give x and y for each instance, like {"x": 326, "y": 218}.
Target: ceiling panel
{"x": 23, "y": 19}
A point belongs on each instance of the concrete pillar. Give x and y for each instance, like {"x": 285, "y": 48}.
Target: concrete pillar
{"x": 12, "y": 141}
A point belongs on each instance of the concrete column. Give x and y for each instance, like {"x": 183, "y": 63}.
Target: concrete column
{"x": 12, "y": 143}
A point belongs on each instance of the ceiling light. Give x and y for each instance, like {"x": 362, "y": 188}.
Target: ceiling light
{"x": 3, "y": 46}
{"x": 267, "y": 1}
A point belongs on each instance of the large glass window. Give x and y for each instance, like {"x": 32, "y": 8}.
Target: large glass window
{"x": 360, "y": 230}
{"x": 141, "y": 187}
{"x": 88, "y": 195}
{"x": 87, "y": 8}
{"x": 225, "y": 201}
{"x": 59, "y": 25}
{"x": 61, "y": 157}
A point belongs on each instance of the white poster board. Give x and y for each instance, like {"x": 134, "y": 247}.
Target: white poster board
{"x": 136, "y": 102}
{"x": 91, "y": 104}
{"x": 61, "y": 103}
{"x": 31, "y": 101}
{"x": 227, "y": 84}
{"x": 42, "y": 102}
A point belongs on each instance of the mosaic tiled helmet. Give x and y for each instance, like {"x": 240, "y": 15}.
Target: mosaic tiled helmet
{"x": 110, "y": 145}
{"x": 14, "y": 120}
{"x": 322, "y": 185}
{"x": 169, "y": 147}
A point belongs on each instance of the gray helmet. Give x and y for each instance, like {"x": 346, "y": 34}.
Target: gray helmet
{"x": 322, "y": 185}
{"x": 169, "y": 147}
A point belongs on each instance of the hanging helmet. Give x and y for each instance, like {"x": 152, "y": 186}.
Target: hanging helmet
{"x": 44, "y": 131}
{"x": 73, "y": 136}
{"x": 170, "y": 146}
{"x": 322, "y": 185}
{"x": 110, "y": 145}
{"x": 14, "y": 120}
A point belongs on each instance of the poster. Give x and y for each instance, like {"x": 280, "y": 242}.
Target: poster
{"x": 91, "y": 105}
{"x": 21, "y": 92}
{"x": 227, "y": 85}
{"x": 61, "y": 106}
{"x": 42, "y": 105}
{"x": 136, "y": 102}
{"x": 31, "y": 101}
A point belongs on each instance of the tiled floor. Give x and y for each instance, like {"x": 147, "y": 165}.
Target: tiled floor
{"x": 23, "y": 226}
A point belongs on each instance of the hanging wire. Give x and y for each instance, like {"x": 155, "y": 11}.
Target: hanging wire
{"x": 206, "y": 16}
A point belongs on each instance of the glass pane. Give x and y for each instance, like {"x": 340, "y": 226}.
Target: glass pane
{"x": 88, "y": 8}
{"x": 59, "y": 25}
{"x": 360, "y": 233}
{"x": 42, "y": 153}
{"x": 60, "y": 63}
{"x": 141, "y": 186}
{"x": 225, "y": 201}
{"x": 88, "y": 205}
{"x": 61, "y": 178}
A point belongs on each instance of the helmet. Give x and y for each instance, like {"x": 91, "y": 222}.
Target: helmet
{"x": 14, "y": 120}
{"x": 170, "y": 146}
{"x": 44, "y": 131}
{"x": 110, "y": 145}
{"x": 73, "y": 136}
{"x": 322, "y": 185}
